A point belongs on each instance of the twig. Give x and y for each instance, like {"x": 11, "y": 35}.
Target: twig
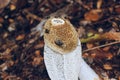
{"x": 33, "y": 16}
{"x": 42, "y": 2}
{"x": 108, "y": 19}
{"x": 82, "y": 4}
{"x": 11, "y": 77}
{"x": 118, "y": 53}
{"x": 101, "y": 46}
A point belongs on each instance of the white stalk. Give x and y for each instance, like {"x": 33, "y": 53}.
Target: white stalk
{"x": 69, "y": 66}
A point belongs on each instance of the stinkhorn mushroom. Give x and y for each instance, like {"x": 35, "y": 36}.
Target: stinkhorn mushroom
{"x": 62, "y": 52}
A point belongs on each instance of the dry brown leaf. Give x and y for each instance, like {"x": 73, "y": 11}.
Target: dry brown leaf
{"x": 117, "y": 9}
{"x": 1, "y": 20}
{"x": 119, "y": 78}
{"x": 3, "y": 67}
{"x": 85, "y": 55}
{"x": 109, "y": 56}
{"x": 112, "y": 35}
{"x": 100, "y": 54}
{"x": 20, "y": 37}
{"x": 89, "y": 45}
{"x": 93, "y": 15}
{"x": 10, "y": 63}
{"x": 37, "y": 61}
{"x": 31, "y": 41}
{"x": 5, "y": 35}
{"x": 107, "y": 66}
{"x": 93, "y": 55}
{"x": 37, "y": 52}
{"x": 12, "y": 7}
{"x": 111, "y": 9}
{"x": 99, "y": 3}
{"x": 106, "y": 48}
{"x": 39, "y": 45}
{"x": 4, "y": 3}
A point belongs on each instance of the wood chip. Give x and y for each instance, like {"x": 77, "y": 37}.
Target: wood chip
{"x": 12, "y": 7}
{"x": 37, "y": 52}
{"x": 20, "y": 37}
{"x": 99, "y": 4}
{"x": 107, "y": 66}
{"x": 89, "y": 45}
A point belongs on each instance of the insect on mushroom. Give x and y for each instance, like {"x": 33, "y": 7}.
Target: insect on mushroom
{"x": 62, "y": 52}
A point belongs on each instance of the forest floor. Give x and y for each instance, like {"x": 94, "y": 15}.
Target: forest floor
{"x": 21, "y": 50}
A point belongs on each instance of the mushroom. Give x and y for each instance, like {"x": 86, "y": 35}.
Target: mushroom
{"x": 62, "y": 52}
{"x": 3, "y": 4}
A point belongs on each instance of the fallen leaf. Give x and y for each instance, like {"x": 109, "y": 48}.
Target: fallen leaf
{"x": 39, "y": 45}
{"x": 107, "y": 66}
{"x": 12, "y": 7}
{"x": 5, "y": 35}
{"x": 99, "y": 4}
{"x": 10, "y": 63}
{"x": 117, "y": 9}
{"x": 3, "y": 67}
{"x": 1, "y": 20}
{"x": 106, "y": 48}
{"x": 119, "y": 78}
{"x": 85, "y": 55}
{"x": 93, "y": 15}
{"x": 20, "y": 37}
{"x": 100, "y": 54}
{"x": 109, "y": 56}
{"x": 89, "y": 45}
{"x": 105, "y": 76}
{"x": 112, "y": 35}
{"x": 37, "y": 61}
{"x": 11, "y": 20}
{"x": 31, "y": 41}
{"x": 93, "y": 55}
{"x": 37, "y": 52}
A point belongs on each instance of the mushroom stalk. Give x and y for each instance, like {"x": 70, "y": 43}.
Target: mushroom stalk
{"x": 69, "y": 66}
{"x": 86, "y": 72}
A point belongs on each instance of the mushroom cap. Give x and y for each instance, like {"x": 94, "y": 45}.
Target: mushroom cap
{"x": 60, "y": 35}
{"x": 4, "y": 3}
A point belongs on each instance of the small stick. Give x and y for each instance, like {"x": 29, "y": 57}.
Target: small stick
{"x": 33, "y": 16}
{"x": 10, "y": 77}
{"x": 116, "y": 42}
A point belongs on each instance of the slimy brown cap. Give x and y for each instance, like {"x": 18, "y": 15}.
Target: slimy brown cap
{"x": 60, "y": 35}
